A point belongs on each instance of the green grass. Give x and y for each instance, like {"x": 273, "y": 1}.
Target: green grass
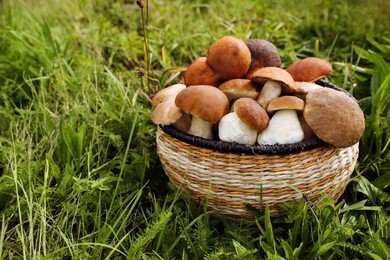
{"x": 80, "y": 177}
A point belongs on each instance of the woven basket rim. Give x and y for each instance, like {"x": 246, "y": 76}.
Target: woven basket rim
{"x": 236, "y": 148}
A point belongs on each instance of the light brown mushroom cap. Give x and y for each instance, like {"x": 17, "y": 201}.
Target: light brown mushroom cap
{"x": 306, "y": 87}
{"x": 203, "y": 101}
{"x": 276, "y": 74}
{"x": 166, "y": 113}
{"x": 309, "y": 69}
{"x": 334, "y": 117}
{"x": 286, "y": 102}
{"x": 251, "y": 113}
{"x": 302, "y": 88}
{"x": 229, "y": 57}
{"x": 167, "y": 92}
{"x": 200, "y": 73}
{"x": 238, "y": 88}
{"x": 264, "y": 54}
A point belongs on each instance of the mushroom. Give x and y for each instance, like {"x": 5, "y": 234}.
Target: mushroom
{"x": 244, "y": 123}
{"x": 334, "y": 117}
{"x": 265, "y": 74}
{"x": 309, "y": 69}
{"x": 166, "y": 112}
{"x": 229, "y": 57}
{"x": 264, "y": 54}
{"x": 206, "y": 104}
{"x": 284, "y": 126}
{"x": 200, "y": 73}
{"x": 238, "y": 88}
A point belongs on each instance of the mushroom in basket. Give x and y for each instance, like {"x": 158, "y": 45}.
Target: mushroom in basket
{"x": 264, "y": 54}
{"x": 284, "y": 126}
{"x": 243, "y": 125}
{"x": 275, "y": 81}
{"x": 334, "y": 117}
{"x": 166, "y": 112}
{"x": 200, "y": 73}
{"x": 309, "y": 69}
{"x": 206, "y": 104}
{"x": 229, "y": 58}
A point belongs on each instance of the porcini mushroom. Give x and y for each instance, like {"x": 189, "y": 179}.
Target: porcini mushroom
{"x": 284, "y": 126}
{"x": 261, "y": 76}
{"x": 238, "y": 88}
{"x": 334, "y": 117}
{"x": 264, "y": 54}
{"x": 206, "y": 104}
{"x": 251, "y": 113}
{"x": 200, "y": 73}
{"x": 244, "y": 123}
{"x": 309, "y": 69}
{"x": 166, "y": 112}
{"x": 229, "y": 57}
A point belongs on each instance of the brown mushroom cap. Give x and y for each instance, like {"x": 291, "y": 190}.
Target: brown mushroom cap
{"x": 309, "y": 69}
{"x": 276, "y": 74}
{"x": 264, "y": 54}
{"x": 286, "y": 102}
{"x": 334, "y": 117}
{"x": 229, "y": 57}
{"x": 237, "y": 88}
{"x": 251, "y": 113}
{"x": 200, "y": 73}
{"x": 206, "y": 102}
{"x": 166, "y": 93}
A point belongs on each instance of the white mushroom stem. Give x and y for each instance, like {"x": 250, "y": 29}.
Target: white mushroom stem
{"x": 271, "y": 89}
{"x": 201, "y": 128}
{"x": 284, "y": 128}
{"x": 232, "y": 129}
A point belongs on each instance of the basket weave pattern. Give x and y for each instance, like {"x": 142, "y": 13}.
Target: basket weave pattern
{"x": 229, "y": 181}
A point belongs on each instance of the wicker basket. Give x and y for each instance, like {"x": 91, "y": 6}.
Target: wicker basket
{"x": 229, "y": 175}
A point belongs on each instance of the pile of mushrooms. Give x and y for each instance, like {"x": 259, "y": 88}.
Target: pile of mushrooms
{"x": 239, "y": 93}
